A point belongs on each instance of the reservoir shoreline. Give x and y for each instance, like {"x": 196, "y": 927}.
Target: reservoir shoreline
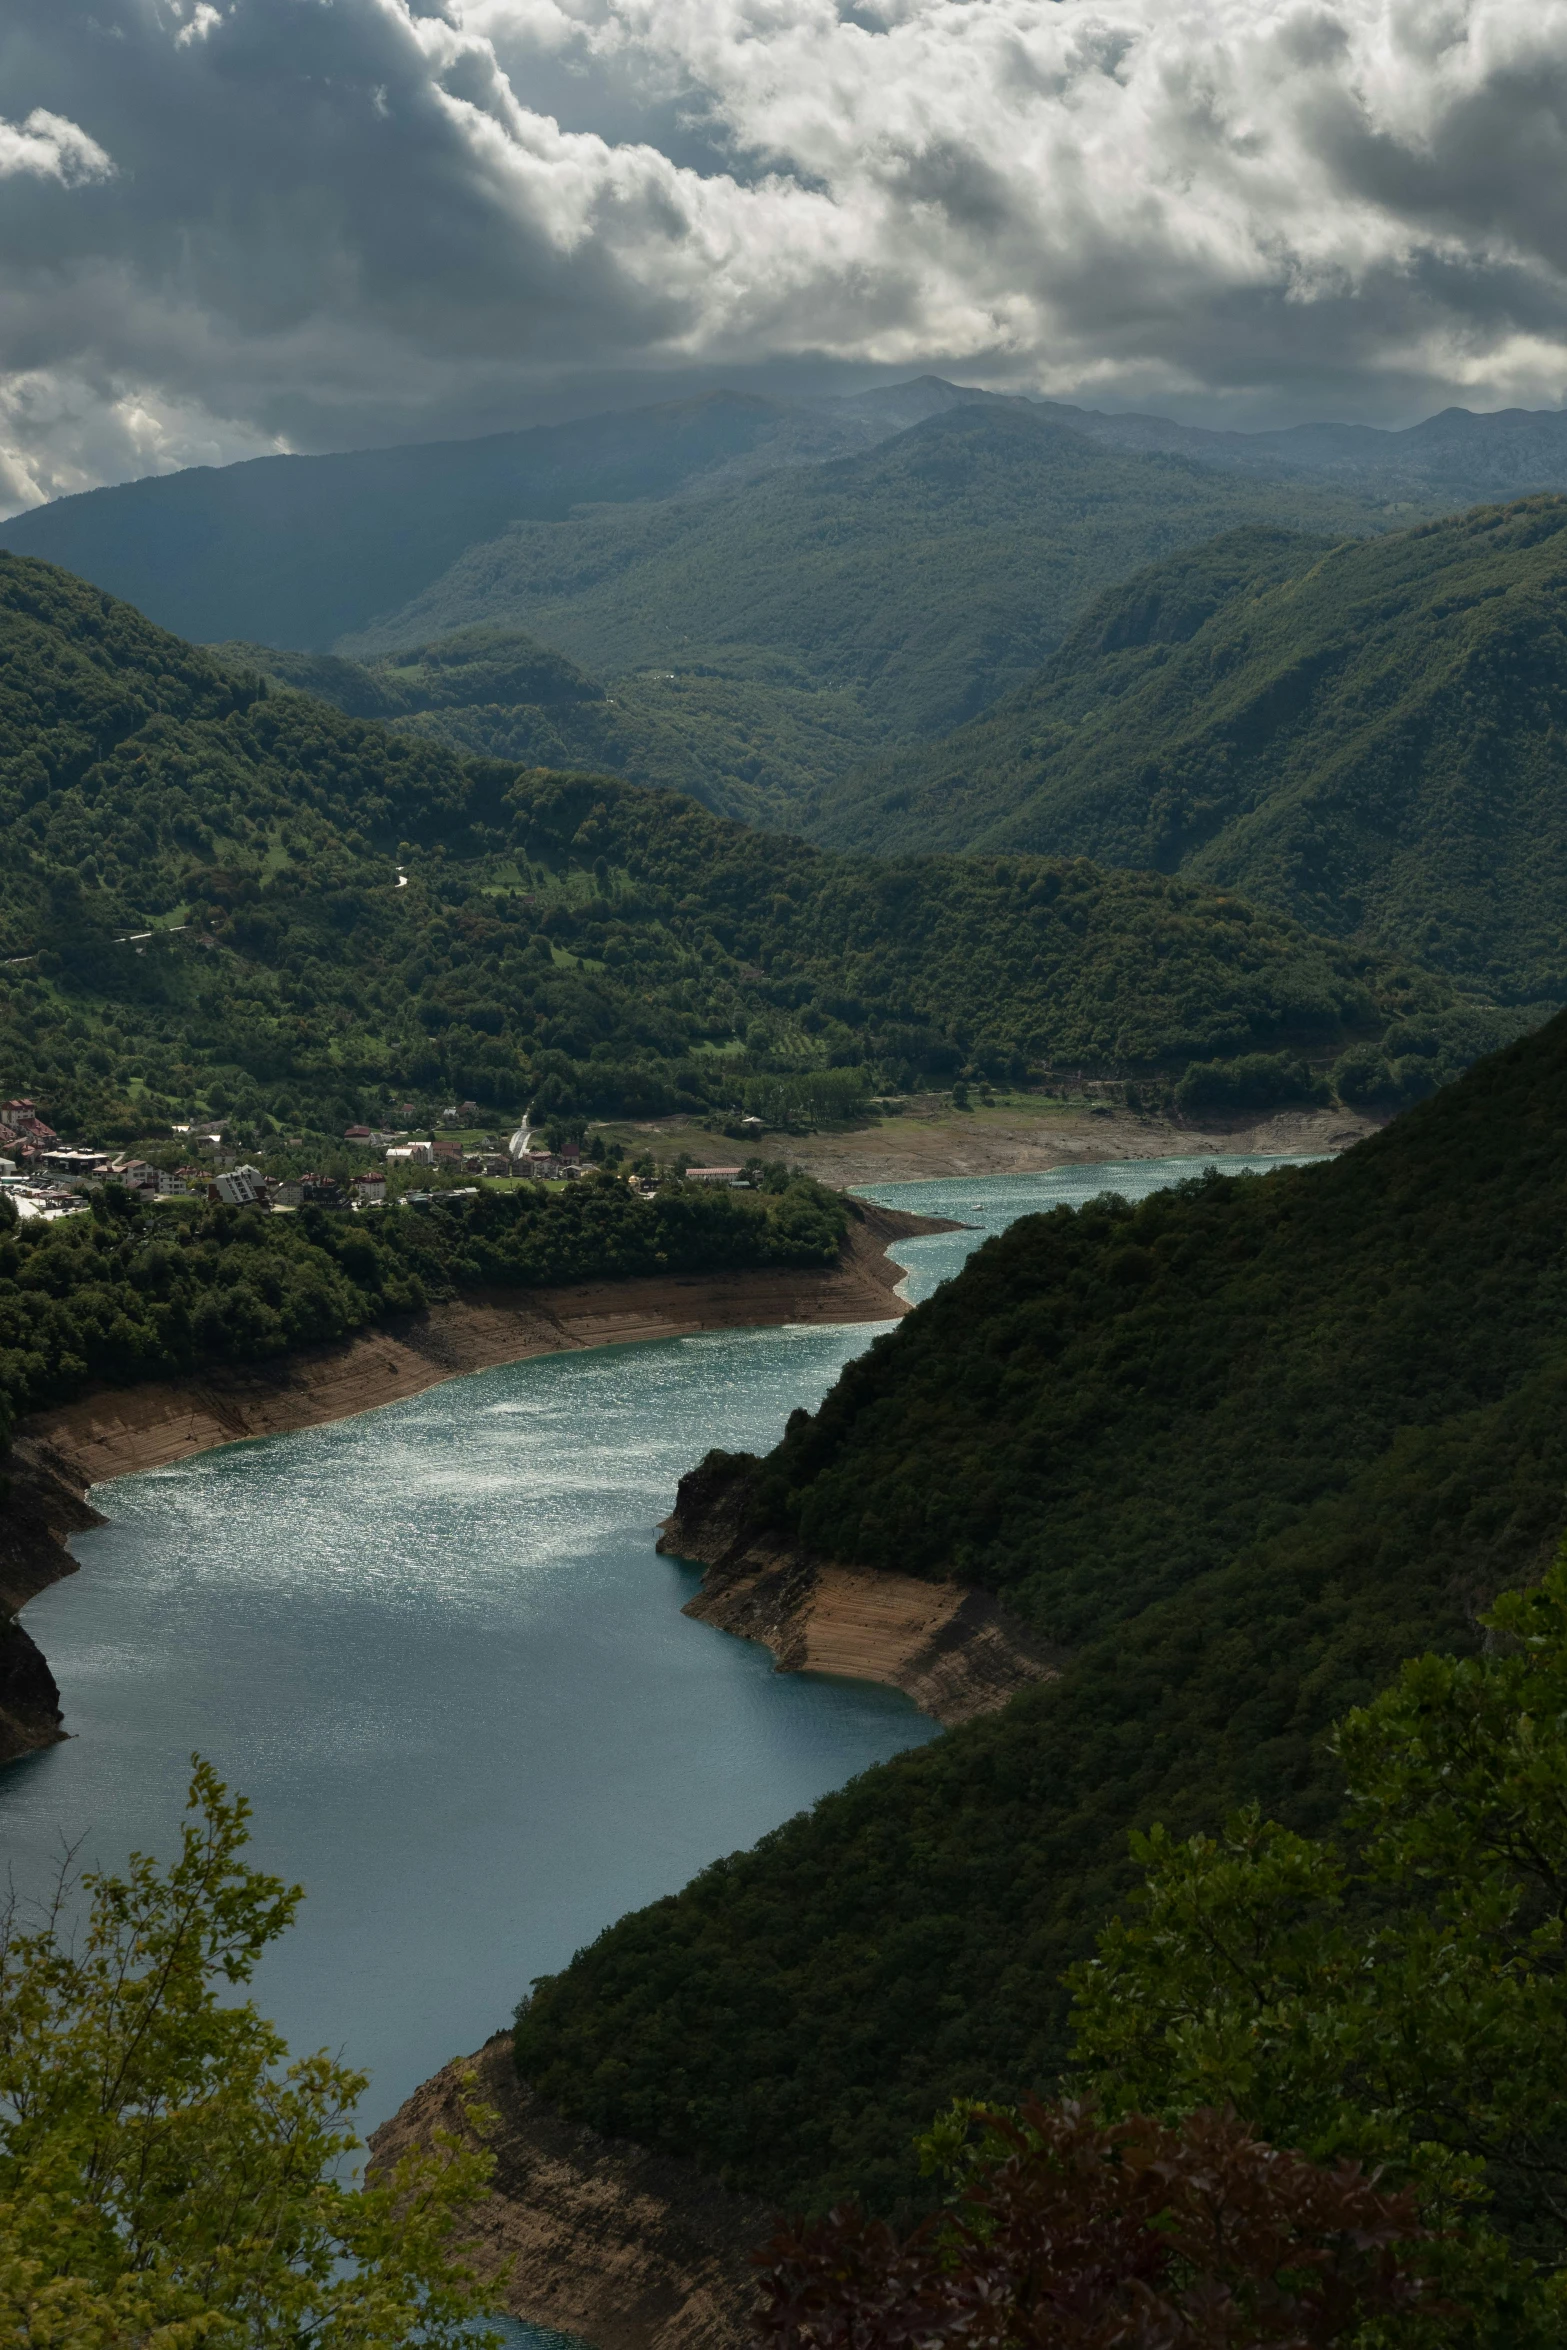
{"x": 59, "y": 1455}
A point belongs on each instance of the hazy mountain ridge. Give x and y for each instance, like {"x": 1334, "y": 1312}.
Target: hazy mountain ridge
{"x": 912, "y": 554}
{"x": 1456, "y": 457}
{"x": 927, "y": 576}
{"x": 294, "y": 551}
{"x": 299, "y": 551}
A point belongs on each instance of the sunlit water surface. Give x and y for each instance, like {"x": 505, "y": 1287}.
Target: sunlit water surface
{"x": 435, "y": 1647}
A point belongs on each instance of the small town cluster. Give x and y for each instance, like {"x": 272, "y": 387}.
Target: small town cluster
{"x": 45, "y": 1177}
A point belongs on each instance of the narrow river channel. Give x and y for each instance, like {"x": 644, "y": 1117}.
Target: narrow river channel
{"x": 435, "y": 1648}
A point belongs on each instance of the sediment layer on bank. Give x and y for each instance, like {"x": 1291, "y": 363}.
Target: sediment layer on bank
{"x": 60, "y": 1454}
{"x": 595, "y": 2236}
{"x": 953, "y": 1650}
{"x": 117, "y": 1431}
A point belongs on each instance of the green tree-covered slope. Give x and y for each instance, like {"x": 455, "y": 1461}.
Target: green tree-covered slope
{"x": 201, "y": 907}
{"x": 297, "y": 550}
{"x": 131, "y": 1293}
{"x": 1371, "y": 736}
{"x": 926, "y": 576}
{"x": 1239, "y": 1449}
{"x": 742, "y": 746}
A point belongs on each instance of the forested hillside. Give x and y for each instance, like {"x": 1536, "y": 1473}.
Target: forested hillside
{"x": 1369, "y": 736}
{"x": 202, "y": 909}
{"x": 297, "y": 551}
{"x": 130, "y": 1293}
{"x": 741, "y": 746}
{"x": 294, "y": 550}
{"x": 926, "y": 576}
{"x": 1239, "y": 1449}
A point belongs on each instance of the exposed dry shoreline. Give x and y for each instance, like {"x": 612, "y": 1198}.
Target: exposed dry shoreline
{"x": 1026, "y": 1137}
{"x": 58, "y": 1455}
{"x": 634, "y": 2251}
{"x": 955, "y": 1651}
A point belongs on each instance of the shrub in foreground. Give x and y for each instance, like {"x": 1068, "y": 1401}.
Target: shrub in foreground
{"x": 168, "y": 2178}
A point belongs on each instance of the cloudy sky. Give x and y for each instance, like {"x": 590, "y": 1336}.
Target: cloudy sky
{"x": 229, "y": 226}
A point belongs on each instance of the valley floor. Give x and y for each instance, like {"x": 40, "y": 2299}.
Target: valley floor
{"x": 1021, "y": 1135}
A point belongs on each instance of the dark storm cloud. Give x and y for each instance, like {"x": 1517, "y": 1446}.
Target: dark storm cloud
{"x": 235, "y": 224}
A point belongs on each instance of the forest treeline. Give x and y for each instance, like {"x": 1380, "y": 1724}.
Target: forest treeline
{"x": 130, "y": 1292}
{"x": 201, "y": 911}
{"x": 1239, "y": 1449}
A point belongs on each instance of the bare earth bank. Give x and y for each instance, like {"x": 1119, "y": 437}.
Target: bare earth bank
{"x": 58, "y": 1455}
{"x": 635, "y": 2251}
{"x": 1023, "y": 1136}
{"x": 955, "y": 1651}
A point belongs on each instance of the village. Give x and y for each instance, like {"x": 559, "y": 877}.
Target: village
{"x": 43, "y": 1177}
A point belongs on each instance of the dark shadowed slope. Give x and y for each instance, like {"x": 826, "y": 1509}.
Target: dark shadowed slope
{"x": 1240, "y": 1448}
{"x": 296, "y": 550}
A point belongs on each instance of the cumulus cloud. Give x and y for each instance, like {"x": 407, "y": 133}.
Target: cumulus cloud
{"x": 327, "y": 221}
{"x": 51, "y": 148}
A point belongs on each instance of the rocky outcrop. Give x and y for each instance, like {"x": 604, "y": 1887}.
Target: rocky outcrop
{"x": 634, "y": 2251}
{"x": 29, "y": 1701}
{"x": 955, "y": 1651}
{"x": 43, "y": 1504}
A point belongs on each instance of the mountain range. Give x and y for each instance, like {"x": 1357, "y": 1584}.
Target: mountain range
{"x": 299, "y": 551}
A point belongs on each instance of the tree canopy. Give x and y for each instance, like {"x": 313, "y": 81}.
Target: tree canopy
{"x": 1237, "y": 1452}
{"x": 168, "y": 2175}
{"x": 227, "y": 899}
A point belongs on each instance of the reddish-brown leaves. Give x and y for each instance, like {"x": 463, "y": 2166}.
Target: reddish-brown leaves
{"x": 1081, "y": 2236}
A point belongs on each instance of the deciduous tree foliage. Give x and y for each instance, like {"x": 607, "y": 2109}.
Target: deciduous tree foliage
{"x": 616, "y": 949}
{"x": 1367, "y": 735}
{"x": 168, "y": 2176}
{"x": 1070, "y": 2235}
{"x": 133, "y": 1293}
{"x": 1397, "y": 1993}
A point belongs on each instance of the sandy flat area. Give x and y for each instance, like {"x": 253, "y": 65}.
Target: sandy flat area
{"x": 1020, "y": 1135}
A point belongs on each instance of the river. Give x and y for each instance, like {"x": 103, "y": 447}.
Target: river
{"x": 436, "y": 1649}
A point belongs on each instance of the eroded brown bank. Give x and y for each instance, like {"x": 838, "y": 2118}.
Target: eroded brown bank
{"x": 594, "y": 2236}
{"x": 631, "y": 2250}
{"x": 59, "y": 1455}
{"x": 954, "y": 1650}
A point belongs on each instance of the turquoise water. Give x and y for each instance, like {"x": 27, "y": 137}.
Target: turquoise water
{"x": 435, "y": 1647}
{"x": 992, "y": 1202}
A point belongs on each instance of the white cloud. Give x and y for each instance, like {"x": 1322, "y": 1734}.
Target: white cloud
{"x": 334, "y": 220}
{"x": 201, "y": 22}
{"x": 60, "y": 434}
{"x": 49, "y": 147}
